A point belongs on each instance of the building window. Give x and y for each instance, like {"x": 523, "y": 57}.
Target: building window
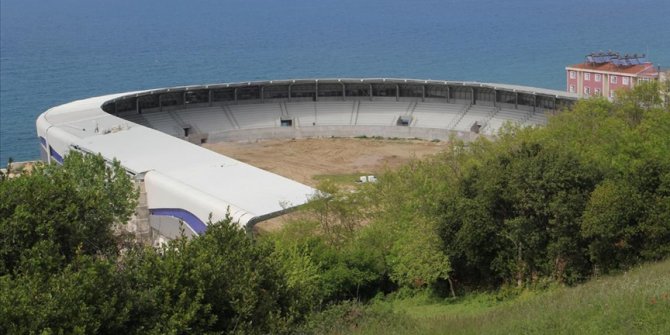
{"x": 572, "y": 88}
{"x": 587, "y": 76}
{"x": 611, "y": 93}
{"x": 613, "y": 79}
{"x": 624, "y": 80}
{"x": 598, "y": 77}
{"x": 573, "y": 75}
{"x": 597, "y": 92}
{"x": 587, "y": 90}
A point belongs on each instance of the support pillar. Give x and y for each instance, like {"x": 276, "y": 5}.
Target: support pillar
{"x": 516, "y": 100}
{"x": 555, "y": 104}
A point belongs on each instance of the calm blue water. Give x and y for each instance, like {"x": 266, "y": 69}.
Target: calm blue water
{"x": 53, "y": 52}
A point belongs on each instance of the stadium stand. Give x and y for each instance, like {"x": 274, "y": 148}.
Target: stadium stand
{"x": 380, "y": 113}
{"x": 250, "y": 116}
{"x": 164, "y": 122}
{"x": 436, "y": 115}
{"x": 503, "y": 115}
{"x": 206, "y": 119}
{"x": 537, "y": 118}
{"x": 304, "y": 113}
{"x": 332, "y": 113}
{"x": 473, "y": 114}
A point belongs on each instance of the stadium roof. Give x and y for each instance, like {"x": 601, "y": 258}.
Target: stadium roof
{"x": 251, "y": 193}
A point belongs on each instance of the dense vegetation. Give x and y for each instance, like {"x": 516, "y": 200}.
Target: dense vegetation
{"x": 63, "y": 270}
{"x": 587, "y": 195}
{"x": 634, "y": 302}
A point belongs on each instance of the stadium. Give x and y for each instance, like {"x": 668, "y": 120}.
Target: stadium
{"x": 157, "y": 135}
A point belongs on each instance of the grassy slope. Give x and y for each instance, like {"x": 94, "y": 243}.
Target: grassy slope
{"x": 636, "y": 302}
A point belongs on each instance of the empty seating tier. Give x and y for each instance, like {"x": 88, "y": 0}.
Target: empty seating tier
{"x": 474, "y": 114}
{"x": 206, "y": 119}
{"x": 304, "y": 113}
{"x": 256, "y": 115}
{"x": 382, "y": 113}
{"x": 334, "y": 113}
{"x": 436, "y": 115}
{"x": 164, "y": 122}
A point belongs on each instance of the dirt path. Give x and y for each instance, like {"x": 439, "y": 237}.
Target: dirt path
{"x": 302, "y": 160}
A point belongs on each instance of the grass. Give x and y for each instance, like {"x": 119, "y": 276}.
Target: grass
{"x": 634, "y": 302}
{"x": 344, "y": 178}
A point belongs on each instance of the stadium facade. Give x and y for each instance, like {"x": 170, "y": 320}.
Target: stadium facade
{"x": 155, "y": 134}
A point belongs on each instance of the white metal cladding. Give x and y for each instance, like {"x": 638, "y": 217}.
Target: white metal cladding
{"x": 179, "y": 175}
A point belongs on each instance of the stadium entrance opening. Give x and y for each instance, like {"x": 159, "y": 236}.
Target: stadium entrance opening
{"x": 287, "y": 122}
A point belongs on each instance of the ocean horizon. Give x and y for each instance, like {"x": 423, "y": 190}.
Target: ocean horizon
{"x": 56, "y": 52}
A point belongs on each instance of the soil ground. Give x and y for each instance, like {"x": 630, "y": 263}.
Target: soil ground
{"x": 310, "y": 160}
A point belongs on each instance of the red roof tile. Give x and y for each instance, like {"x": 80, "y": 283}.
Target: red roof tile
{"x": 609, "y": 67}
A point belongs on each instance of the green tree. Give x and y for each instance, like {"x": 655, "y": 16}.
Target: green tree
{"x": 73, "y": 207}
{"x": 610, "y": 222}
{"x": 89, "y": 296}
{"x": 220, "y": 282}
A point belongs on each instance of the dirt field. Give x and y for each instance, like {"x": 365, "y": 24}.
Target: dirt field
{"x": 303, "y": 160}
{"x": 308, "y": 159}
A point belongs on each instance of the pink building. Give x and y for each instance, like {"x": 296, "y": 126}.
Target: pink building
{"x": 604, "y": 73}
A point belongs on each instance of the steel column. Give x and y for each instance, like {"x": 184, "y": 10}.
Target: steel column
{"x": 516, "y": 100}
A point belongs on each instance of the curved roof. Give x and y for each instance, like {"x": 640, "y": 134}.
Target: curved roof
{"x": 224, "y": 184}
{"x": 495, "y": 86}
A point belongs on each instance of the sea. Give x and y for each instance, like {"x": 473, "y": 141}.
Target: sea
{"x": 53, "y": 52}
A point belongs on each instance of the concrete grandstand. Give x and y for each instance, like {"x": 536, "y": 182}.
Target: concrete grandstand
{"x": 155, "y": 134}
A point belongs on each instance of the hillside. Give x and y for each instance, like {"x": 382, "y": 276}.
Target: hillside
{"x": 634, "y": 302}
